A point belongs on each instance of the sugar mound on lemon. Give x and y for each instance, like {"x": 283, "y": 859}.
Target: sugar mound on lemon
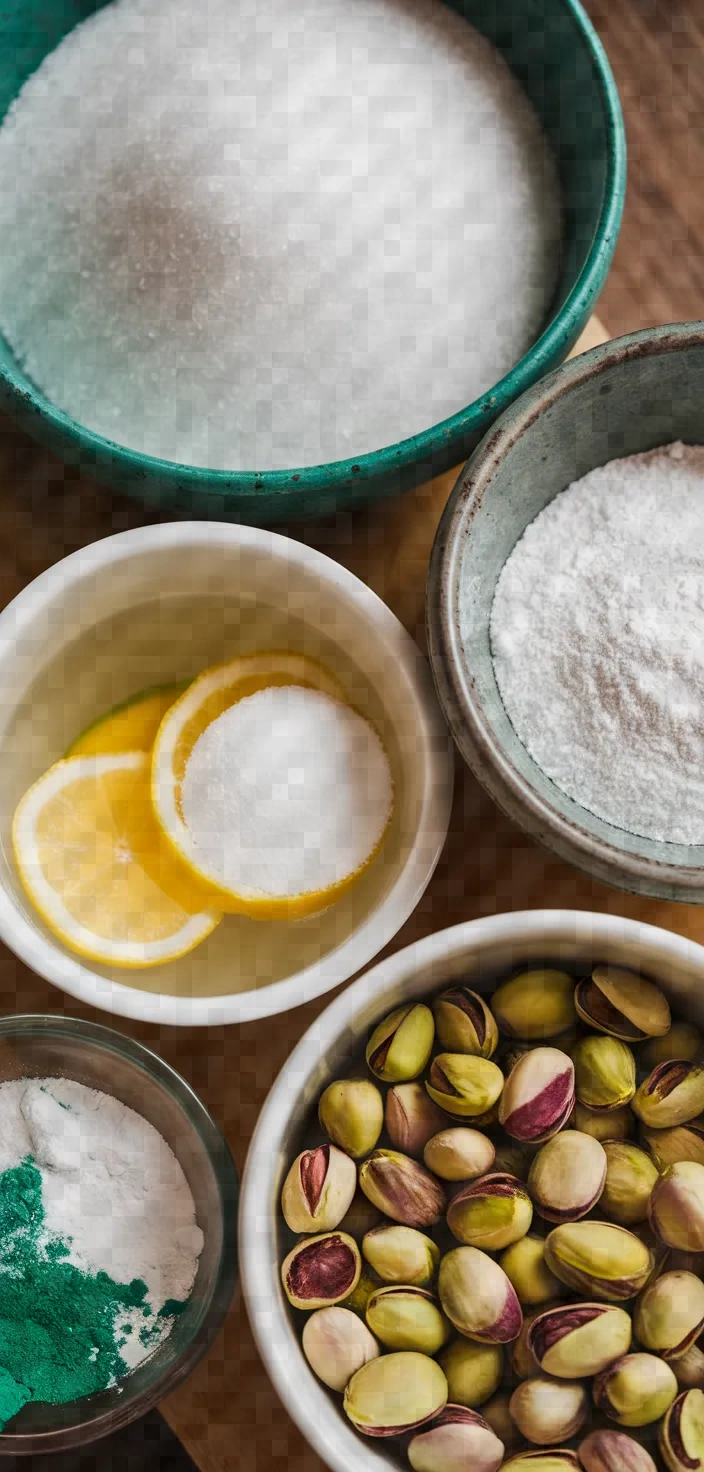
{"x": 288, "y": 791}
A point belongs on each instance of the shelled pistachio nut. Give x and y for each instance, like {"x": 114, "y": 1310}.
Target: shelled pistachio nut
{"x": 525, "y": 1267}
{"x": 400, "y": 1046}
{"x": 496, "y": 1412}
{"x": 612, "y": 1124}
{"x": 473, "y": 1371}
{"x": 401, "y": 1255}
{"x": 669, "y": 1315}
{"x": 459, "y": 1154}
{"x": 630, "y": 1177}
{"x": 535, "y": 1004}
{"x": 682, "y": 1142}
{"x": 318, "y": 1190}
{"x": 672, "y": 1094}
{"x": 567, "y": 1176}
{"x": 689, "y": 1369}
{"x": 548, "y": 1412}
{"x": 357, "y": 1300}
{"x": 538, "y": 1096}
{"x": 623, "y": 1004}
{"x": 457, "y": 1439}
{"x": 561, "y": 1459}
{"x": 676, "y": 1210}
{"x": 336, "y": 1344}
{"x": 464, "y": 1085}
{"x": 613, "y": 1451}
{"x": 684, "y": 1040}
{"x": 403, "y": 1317}
{"x": 477, "y": 1296}
{"x": 682, "y": 1433}
{"x": 361, "y": 1217}
{"x": 411, "y": 1118}
{"x": 392, "y": 1395}
{"x": 636, "y": 1390}
{"x": 605, "y": 1072}
{"x": 604, "y": 1261}
{"x": 321, "y": 1271}
{"x": 574, "y": 1340}
{"x": 402, "y": 1188}
{"x": 351, "y": 1111}
{"x": 490, "y": 1213}
{"x": 464, "y": 1023}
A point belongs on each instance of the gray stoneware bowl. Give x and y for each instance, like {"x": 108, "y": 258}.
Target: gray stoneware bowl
{"x": 480, "y": 952}
{"x": 635, "y": 393}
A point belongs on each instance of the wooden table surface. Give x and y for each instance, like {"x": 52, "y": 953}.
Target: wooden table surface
{"x": 227, "y": 1414}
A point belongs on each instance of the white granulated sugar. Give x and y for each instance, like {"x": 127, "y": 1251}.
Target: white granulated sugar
{"x": 112, "y": 1190}
{"x": 287, "y": 791}
{"x": 597, "y": 634}
{"x": 260, "y": 235}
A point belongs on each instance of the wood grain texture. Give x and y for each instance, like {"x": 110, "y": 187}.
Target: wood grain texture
{"x": 227, "y": 1414}
{"x": 656, "y": 49}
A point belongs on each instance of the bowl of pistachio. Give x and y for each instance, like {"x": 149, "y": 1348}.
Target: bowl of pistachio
{"x": 472, "y": 1216}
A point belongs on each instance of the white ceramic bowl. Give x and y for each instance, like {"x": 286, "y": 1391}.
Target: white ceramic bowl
{"x": 159, "y": 604}
{"x": 477, "y": 951}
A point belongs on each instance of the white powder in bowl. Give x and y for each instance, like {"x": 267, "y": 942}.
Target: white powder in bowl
{"x": 286, "y": 792}
{"x": 597, "y": 636}
{"x": 112, "y": 1191}
{"x": 255, "y": 234}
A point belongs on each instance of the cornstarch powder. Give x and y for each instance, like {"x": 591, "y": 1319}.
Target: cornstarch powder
{"x": 99, "y": 1243}
{"x": 258, "y": 234}
{"x": 597, "y": 636}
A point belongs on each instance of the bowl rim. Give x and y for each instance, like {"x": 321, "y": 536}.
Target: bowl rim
{"x": 346, "y": 477}
{"x": 320, "y": 1420}
{"x": 215, "y": 1146}
{"x": 474, "y": 736}
{"x": 49, "y": 960}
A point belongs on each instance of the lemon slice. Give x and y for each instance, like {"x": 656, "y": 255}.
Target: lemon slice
{"x": 130, "y": 726}
{"x": 93, "y": 862}
{"x": 207, "y": 699}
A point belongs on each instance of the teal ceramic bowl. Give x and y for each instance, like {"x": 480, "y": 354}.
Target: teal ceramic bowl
{"x": 629, "y": 396}
{"x": 554, "y": 51}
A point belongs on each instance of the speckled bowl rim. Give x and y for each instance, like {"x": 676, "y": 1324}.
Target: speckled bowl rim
{"x": 464, "y": 712}
{"x": 345, "y": 476}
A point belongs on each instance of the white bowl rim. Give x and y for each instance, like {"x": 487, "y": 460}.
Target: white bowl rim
{"x": 370, "y": 937}
{"x": 320, "y": 1421}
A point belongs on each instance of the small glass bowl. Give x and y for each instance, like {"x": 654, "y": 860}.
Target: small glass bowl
{"x": 62, "y": 1047}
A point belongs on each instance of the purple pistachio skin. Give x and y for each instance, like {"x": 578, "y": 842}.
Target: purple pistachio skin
{"x": 458, "y": 1440}
{"x": 478, "y": 1297}
{"x": 682, "y": 1433}
{"x": 402, "y": 1188}
{"x": 613, "y": 1451}
{"x": 574, "y": 1340}
{"x": 321, "y": 1270}
{"x": 539, "y": 1096}
{"x": 508, "y": 1223}
{"x": 412, "y": 1118}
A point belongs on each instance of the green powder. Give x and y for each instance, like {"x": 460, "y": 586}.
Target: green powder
{"x": 59, "y": 1327}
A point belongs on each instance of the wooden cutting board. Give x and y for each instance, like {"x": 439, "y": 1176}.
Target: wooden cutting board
{"x": 227, "y": 1414}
